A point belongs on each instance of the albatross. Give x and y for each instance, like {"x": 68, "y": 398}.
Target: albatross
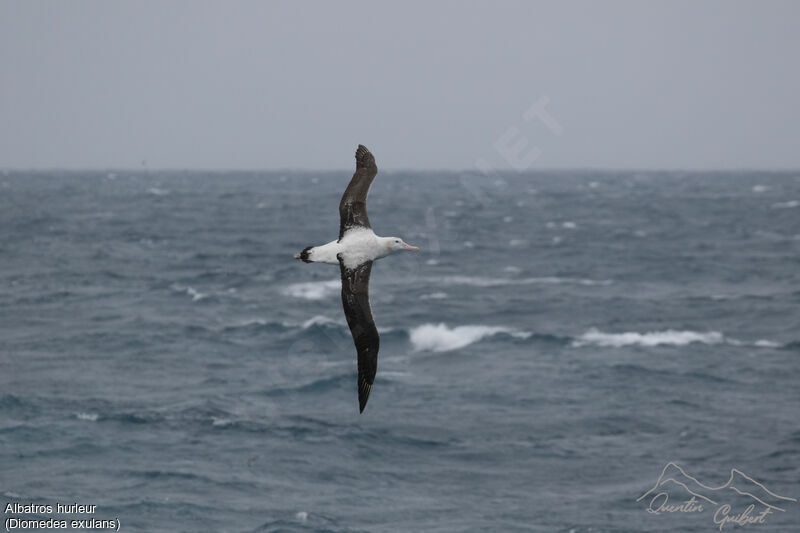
{"x": 354, "y": 251}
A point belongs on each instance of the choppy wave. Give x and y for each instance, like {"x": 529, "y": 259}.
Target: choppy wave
{"x": 764, "y": 343}
{"x": 440, "y": 338}
{"x": 427, "y": 336}
{"x": 320, "y": 320}
{"x": 256, "y": 324}
{"x": 786, "y": 205}
{"x": 319, "y": 290}
{"x": 128, "y": 344}
{"x": 191, "y": 291}
{"x": 477, "y": 281}
{"x": 313, "y": 290}
{"x": 434, "y": 296}
{"x": 259, "y": 323}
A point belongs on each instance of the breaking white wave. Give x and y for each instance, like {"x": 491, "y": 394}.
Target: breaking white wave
{"x": 440, "y": 338}
{"x": 477, "y": 281}
{"x": 669, "y": 337}
{"x": 157, "y": 192}
{"x": 313, "y": 290}
{"x": 91, "y": 417}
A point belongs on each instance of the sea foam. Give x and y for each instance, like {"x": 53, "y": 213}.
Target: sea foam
{"x": 313, "y": 290}
{"x": 440, "y": 338}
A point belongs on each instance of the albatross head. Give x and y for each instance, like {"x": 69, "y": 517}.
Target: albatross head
{"x": 396, "y": 243}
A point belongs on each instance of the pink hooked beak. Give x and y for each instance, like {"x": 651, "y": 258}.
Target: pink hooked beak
{"x": 409, "y": 247}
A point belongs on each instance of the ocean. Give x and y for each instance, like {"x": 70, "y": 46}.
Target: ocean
{"x": 561, "y": 338}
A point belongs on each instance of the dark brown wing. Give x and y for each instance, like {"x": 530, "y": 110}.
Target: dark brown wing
{"x": 353, "y": 207}
{"x": 355, "y": 300}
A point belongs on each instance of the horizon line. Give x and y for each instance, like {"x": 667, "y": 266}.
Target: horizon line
{"x": 473, "y": 170}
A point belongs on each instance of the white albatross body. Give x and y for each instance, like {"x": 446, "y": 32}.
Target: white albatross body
{"x": 358, "y": 245}
{"x": 354, "y": 251}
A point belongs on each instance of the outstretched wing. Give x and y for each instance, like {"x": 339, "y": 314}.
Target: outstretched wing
{"x": 355, "y": 300}
{"x": 353, "y": 207}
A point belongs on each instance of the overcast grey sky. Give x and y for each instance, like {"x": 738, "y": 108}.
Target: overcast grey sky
{"x": 197, "y": 84}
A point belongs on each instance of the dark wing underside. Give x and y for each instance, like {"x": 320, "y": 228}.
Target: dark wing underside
{"x": 353, "y": 207}
{"x": 355, "y": 300}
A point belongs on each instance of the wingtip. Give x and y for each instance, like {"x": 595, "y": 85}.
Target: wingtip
{"x": 363, "y": 395}
{"x": 362, "y": 154}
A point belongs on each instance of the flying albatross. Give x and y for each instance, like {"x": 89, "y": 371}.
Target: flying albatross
{"x": 354, "y": 251}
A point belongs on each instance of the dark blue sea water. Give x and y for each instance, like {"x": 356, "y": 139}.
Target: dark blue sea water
{"x": 560, "y": 338}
